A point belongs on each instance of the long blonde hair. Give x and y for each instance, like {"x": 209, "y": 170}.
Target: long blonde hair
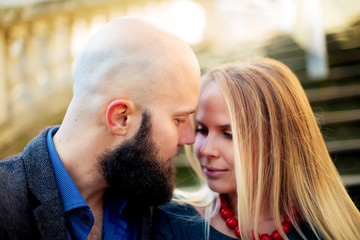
{"x": 281, "y": 160}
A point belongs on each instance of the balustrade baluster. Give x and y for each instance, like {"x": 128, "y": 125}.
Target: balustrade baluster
{"x": 4, "y": 97}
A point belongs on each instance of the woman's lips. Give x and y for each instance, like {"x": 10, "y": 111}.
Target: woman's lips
{"x": 213, "y": 172}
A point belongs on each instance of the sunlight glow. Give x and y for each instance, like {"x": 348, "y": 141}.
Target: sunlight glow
{"x": 184, "y": 18}
{"x": 189, "y": 21}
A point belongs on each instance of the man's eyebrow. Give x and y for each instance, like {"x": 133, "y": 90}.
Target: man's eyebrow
{"x": 184, "y": 112}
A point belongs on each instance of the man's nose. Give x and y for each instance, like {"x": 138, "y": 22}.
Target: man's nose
{"x": 187, "y": 135}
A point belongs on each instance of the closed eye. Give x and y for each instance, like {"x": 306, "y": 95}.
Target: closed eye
{"x": 228, "y": 135}
{"x": 202, "y": 131}
{"x": 179, "y": 121}
{"x": 201, "y": 128}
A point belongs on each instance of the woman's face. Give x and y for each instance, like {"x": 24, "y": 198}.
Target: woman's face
{"x": 213, "y": 145}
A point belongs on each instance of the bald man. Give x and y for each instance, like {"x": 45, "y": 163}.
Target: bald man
{"x": 98, "y": 175}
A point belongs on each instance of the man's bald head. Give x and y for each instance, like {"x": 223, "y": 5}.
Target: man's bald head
{"x": 128, "y": 57}
{"x": 128, "y": 68}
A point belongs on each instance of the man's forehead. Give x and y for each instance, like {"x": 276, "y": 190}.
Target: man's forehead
{"x": 184, "y": 112}
{"x": 178, "y": 100}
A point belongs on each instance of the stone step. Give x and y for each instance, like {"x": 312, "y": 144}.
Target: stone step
{"x": 279, "y": 43}
{"x": 345, "y": 155}
{"x": 349, "y": 33}
{"x": 332, "y": 93}
{"x": 342, "y": 44}
{"x": 352, "y": 185}
{"x": 286, "y": 52}
{"x": 341, "y": 131}
{"x": 344, "y": 57}
{"x": 339, "y": 117}
{"x": 343, "y": 145}
{"x": 350, "y": 179}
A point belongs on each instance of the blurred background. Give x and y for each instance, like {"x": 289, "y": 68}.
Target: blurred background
{"x": 318, "y": 39}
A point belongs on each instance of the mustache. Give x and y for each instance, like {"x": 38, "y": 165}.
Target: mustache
{"x": 174, "y": 156}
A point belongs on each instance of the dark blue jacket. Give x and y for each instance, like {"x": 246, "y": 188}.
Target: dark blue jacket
{"x": 30, "y": 204}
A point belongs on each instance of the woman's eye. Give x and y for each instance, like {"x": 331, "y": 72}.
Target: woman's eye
{"x": 228, "y": 135}
{"x": 202, "y": 131}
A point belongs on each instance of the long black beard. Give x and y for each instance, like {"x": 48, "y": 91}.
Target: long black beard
{"x": 135, "y": 169}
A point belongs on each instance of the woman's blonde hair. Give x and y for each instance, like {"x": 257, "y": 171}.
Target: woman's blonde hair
{"x": 281, "y": 161}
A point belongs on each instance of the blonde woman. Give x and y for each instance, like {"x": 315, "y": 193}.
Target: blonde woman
{"x": 268, "y": 172}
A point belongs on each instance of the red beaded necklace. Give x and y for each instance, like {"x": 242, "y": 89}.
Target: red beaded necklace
{"x": 232, "y": 222}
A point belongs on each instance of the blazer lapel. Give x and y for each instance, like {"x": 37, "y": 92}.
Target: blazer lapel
{"x": 50, "y": 220}
{"x": 145, "y": 224}
{"x": 48, "y": 210}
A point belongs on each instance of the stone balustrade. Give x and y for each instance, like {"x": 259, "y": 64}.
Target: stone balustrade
{"x": 38, "y": 45}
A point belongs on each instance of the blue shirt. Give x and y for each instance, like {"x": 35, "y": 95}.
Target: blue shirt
{"x": 79, "y": 217}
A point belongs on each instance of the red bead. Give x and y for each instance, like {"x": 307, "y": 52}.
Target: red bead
{"x": 265, "y": 237}
{"x": 223, "y": 204}
{"x": 237, "y": 231}
{"x": 287, "y": 220}
{"x": 231, "y": 222}
{"x": 286, "y": 227}
{"x": 276, "y": 235}
{"x": 226, "y": 213}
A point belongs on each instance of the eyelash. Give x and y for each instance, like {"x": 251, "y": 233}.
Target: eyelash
{"x": 228, "y": 135}
{"x": 203, "y": 131}
{"x": 179, "y": 121}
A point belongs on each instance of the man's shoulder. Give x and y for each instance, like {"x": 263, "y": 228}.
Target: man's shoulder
{"x": 12, "y": 176}
{"x": 12, "y": 182}
{"x": 35, "y": 148}
{"x": 28, "y": 160}
{"x": 11, "y": 170}
{"x": 12, "y": 165}
{"x": 29, "y": 195}
{"x": 13, "y": 201}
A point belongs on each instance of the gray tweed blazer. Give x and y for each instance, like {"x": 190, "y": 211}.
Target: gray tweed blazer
{"x": 30, "y": 204}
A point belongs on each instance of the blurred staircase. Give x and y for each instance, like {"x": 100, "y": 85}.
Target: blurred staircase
{"x": 335, "y": 99}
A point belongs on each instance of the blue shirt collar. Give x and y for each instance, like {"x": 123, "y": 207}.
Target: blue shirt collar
{"x": 115, "y": 225}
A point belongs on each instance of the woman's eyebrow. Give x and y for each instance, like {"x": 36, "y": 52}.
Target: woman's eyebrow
{"x": 224, "y": 126}
{"x": 219, "y": 126}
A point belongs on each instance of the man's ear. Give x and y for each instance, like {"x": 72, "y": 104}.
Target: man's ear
{"x": 118, "y": 116}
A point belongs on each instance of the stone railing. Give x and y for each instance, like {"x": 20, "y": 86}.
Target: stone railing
{"x": 38, "y": 44}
